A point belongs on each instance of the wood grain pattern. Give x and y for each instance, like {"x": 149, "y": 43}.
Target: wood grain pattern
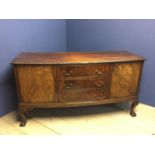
{"x": 36, "y": 83}
{"x": 82, "y": 95}
{"x": 125, "y": 79}
{"x": 83, "y": 83}
{"x": 83, "y": 70}
{"x": 68, "y": 79}
{"x": 75, "y": 57}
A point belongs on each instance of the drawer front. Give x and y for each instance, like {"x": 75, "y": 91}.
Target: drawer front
{"x": 83, "y": 84}
{"x": 85, "y": 95}
{"x": 83, "y": 70}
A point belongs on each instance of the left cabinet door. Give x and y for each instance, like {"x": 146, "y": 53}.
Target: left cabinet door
{"x": 36, "y": 83}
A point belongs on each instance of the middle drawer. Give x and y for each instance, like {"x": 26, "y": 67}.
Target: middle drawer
{"x": 83, "y": 83}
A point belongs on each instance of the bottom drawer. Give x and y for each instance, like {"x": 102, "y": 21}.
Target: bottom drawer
{"x": 86, "y": 95}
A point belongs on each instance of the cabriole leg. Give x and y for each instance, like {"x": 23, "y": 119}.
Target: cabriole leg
{"x": 133, "y": 106}
{"x": 22, "y": 118}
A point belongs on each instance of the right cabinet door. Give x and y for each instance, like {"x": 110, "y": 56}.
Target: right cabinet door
{"x": 125, "y": 79}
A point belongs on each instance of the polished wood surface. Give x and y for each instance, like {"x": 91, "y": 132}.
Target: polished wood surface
{"x": 81, "y": 83}
{"x": 83, "y": 70}
{"x": 125, "y": 79}
{"x": 75, "y": 57}
{"x": 36, "y": 83}
{"x": 48, "y": 80}
{"x": 82, "y": 95}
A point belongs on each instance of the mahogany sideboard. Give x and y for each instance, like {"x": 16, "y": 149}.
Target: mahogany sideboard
{"x": 66, "y": 79}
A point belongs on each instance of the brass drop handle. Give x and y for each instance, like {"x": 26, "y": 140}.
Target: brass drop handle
{"x": 68, "y": 86}
{"x": 99, "y": 84}
{"x": 99, "y": 72}
{"x": 68, "y": 73}
{"x": 100, "y": 95}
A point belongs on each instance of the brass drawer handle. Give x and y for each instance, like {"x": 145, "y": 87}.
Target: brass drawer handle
{"x": 69, "y": 86}
{"x": 68, "y": 73}
{"x": 99, "y": 84}
{"x": 99, "y": 72}
{"x": 99, "y": 95}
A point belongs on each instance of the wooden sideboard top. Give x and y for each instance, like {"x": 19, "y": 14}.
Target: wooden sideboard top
{"x": 75, "y": 57}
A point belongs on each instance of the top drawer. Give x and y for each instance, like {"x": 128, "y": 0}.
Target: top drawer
{"x": 83, "y": 70}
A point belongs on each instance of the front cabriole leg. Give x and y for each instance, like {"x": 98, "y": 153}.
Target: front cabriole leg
{"x": 22, "y": 114}
{"x": 22, "y": 117}
{"x": 133, "y": 106}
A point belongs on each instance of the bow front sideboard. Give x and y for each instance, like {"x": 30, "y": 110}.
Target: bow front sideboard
{"x": 66, "y": 79}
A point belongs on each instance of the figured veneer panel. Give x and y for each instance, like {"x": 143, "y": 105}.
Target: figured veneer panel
{"x": 125, "y": 79}
{"x": 36, "y": 83}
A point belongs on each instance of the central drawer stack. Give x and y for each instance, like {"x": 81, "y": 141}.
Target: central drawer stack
{"x": 82, "y": 82}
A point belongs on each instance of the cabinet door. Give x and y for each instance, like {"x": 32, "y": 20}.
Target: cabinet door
{"x": 36, "y": 83}
{"x": 125, "y": 79}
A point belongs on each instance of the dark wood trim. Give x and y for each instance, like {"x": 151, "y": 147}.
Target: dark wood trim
{"x": 111, "y": 68}
{"x": 17, "y": 82}
{"x": 55, "y": 84}
{"x": 69, "y": 104}
{"x": 138, "y": 85}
